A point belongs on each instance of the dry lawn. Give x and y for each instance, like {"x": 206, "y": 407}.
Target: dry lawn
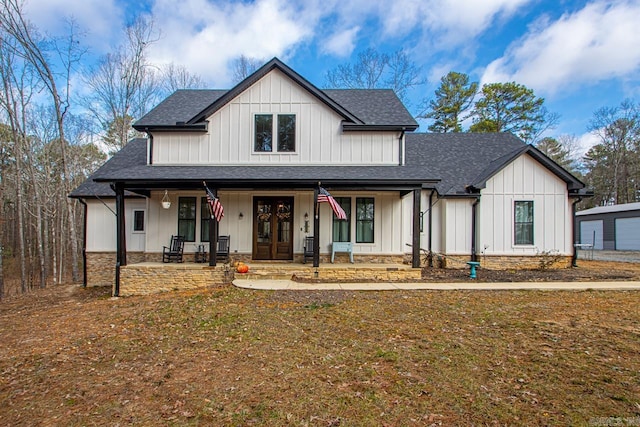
{"x": 76, "y": 357}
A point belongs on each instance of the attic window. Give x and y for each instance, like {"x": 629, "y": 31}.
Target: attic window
{"x": 275, "y": 135}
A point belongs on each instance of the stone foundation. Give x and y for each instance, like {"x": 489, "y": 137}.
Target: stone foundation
{"x": 101, "y": 266}
{"x": 148, "y": 278}
{"x": 533, "y": 262}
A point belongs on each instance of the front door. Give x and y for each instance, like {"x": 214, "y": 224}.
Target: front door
{"x": 273, "y": 228}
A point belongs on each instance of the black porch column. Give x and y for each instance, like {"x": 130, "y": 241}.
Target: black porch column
{"x": 474, "y": 231}
{"x": 316, "y": 229}
{"x": 415, "y": 258}
{"x": 213, "y": 237}
{"x": 121, "y": 245}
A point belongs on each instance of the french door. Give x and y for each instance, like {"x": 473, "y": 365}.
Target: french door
{"x": 273, "y": 228}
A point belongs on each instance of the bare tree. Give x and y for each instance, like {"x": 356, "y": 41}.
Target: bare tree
{"x": 373, "y": 69}
{"x": 243, "y": 66}
{"x": 124, "y": 85}
{"x": 176, "y": 77}
{"x": 30, "y": 47}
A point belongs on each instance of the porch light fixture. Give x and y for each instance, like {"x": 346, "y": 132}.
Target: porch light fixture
{"x": 241, "y": 216}
{"x": 166, "y": 202}
{"x": 306, "y": 222}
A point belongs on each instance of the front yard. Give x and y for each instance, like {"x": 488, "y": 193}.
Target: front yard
{"x": 71, "y": 356}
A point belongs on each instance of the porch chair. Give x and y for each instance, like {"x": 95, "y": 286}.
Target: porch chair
{"x": 223, "y": 248}
{"x": 308, "y": 248}
{"x": 174, "y": 251}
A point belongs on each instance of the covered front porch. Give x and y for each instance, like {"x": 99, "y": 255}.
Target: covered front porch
{"x": 154, "y": 277}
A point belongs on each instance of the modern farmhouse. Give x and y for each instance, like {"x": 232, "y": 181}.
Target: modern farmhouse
{"x": 268, "y": 149}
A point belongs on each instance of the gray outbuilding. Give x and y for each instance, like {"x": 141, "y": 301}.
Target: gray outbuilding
{"x": 615, "y": 227}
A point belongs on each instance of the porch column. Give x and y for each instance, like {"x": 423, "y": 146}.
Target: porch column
{"x": 474, "y": 231}
{"x": 213, "y": 237}
{"x": 316, "y": 229}
{"x": 415, "y": 258}
{"x": 121, "y": 246}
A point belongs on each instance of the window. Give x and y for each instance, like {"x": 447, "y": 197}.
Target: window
{"x": 138, "y": 221}
{"x": 264, "y": 132}
{"x": 364, "y": 219}
{"x": 341, "y": 227}
{"x": 285, "y": 132}
{"x": 205, "y": 216}
{"x": 523, "y": 220}
{"x": 187, "y": 218}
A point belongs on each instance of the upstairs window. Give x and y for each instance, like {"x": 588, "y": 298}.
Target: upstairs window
{"x": 284, "y": 133}
{"x": 523, "y": 223}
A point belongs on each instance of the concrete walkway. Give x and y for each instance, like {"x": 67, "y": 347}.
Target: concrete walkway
{"x": 297, "y": 286}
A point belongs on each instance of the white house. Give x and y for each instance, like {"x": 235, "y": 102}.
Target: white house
{"x": 266, "y": 147}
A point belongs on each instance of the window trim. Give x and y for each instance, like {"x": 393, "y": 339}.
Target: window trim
{"x": 194, "y": 219}
{"x": 335, "y": 221}
{"x": 275, "y": 133}
{"x": 372, "y": 220}
{"x": 144, "y": 222}
{"x": 516, "y": 223}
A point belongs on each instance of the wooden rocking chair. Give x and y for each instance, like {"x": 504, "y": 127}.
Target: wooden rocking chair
{"x": 174, "y": 251}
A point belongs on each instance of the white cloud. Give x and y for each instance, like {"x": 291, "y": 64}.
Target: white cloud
{"x": 205, "y": 36}
{"x": 341, "y": 43}
{"x": 586, "y": 141}
{"x": 597, "y": 43}
{"x": 100, "y": 19}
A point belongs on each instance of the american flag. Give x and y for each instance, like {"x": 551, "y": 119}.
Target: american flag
{"x": 325, "y": 197}
{"x": 215, "y": 207}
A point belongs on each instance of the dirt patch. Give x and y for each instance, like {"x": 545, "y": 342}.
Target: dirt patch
{"x": 73, "y": 356}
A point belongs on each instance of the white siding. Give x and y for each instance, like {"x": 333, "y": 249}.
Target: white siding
{"x": 456, "y": 221}
{"x": 319, "y": 136}
{"x": 524, "y": 179}
{"x": 101, "y": 226}
{"x": 387, "y": 221}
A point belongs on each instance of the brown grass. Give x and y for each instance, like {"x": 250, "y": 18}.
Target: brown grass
{"x": 73, "y": 356}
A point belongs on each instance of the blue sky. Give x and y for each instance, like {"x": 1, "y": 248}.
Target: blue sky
{"x": 578, "y": 55}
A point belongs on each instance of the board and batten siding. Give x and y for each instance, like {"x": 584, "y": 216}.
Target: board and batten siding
{"x": 319, "y": 135}
{"x": 387, "y": 221}
{"x": 101, "y": 225}
{"x": 524, "y": 179}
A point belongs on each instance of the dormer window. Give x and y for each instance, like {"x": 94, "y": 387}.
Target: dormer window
{"x": 277, "y": 135}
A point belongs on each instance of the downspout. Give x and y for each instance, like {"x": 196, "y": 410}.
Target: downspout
{"x": 474, "y": 211}
{"x": 84, "y": 246}
{"x": 429, "y": 236}
{"x": 574, "y": 234}
{"x": 401, "y": 147}
{"x": 150, "y": 146}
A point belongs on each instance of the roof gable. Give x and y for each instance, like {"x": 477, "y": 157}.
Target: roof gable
{"x": 465, "y": 161}
{"x": 275, "y": 63}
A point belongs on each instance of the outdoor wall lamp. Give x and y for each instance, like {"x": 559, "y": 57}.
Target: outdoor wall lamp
{"x": 306, "y": 222}
{"x": 166, "y": 202}
{"x": 241, "y": 216}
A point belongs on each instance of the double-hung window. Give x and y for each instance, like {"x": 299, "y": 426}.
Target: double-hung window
{"x": 138, "y": 221}
{"x": 187, "y": 218}
{"x": 364, "y": 219}
{"x": 523, "y": 222}
{"x": 341, "y": 227}
{"x": 205, "y": 216}
{"x": 274, "y": 133}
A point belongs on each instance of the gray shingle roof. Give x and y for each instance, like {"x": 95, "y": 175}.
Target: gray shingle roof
{"x": 455, "y": 161}
{"x": 379, "y": 107}
{"x": 458, "y": 159}
{"x": 374, "y": 107}
{"x": 180, "y": 106}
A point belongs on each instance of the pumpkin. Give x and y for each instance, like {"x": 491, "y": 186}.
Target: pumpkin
{"x": 242, "y": 268}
